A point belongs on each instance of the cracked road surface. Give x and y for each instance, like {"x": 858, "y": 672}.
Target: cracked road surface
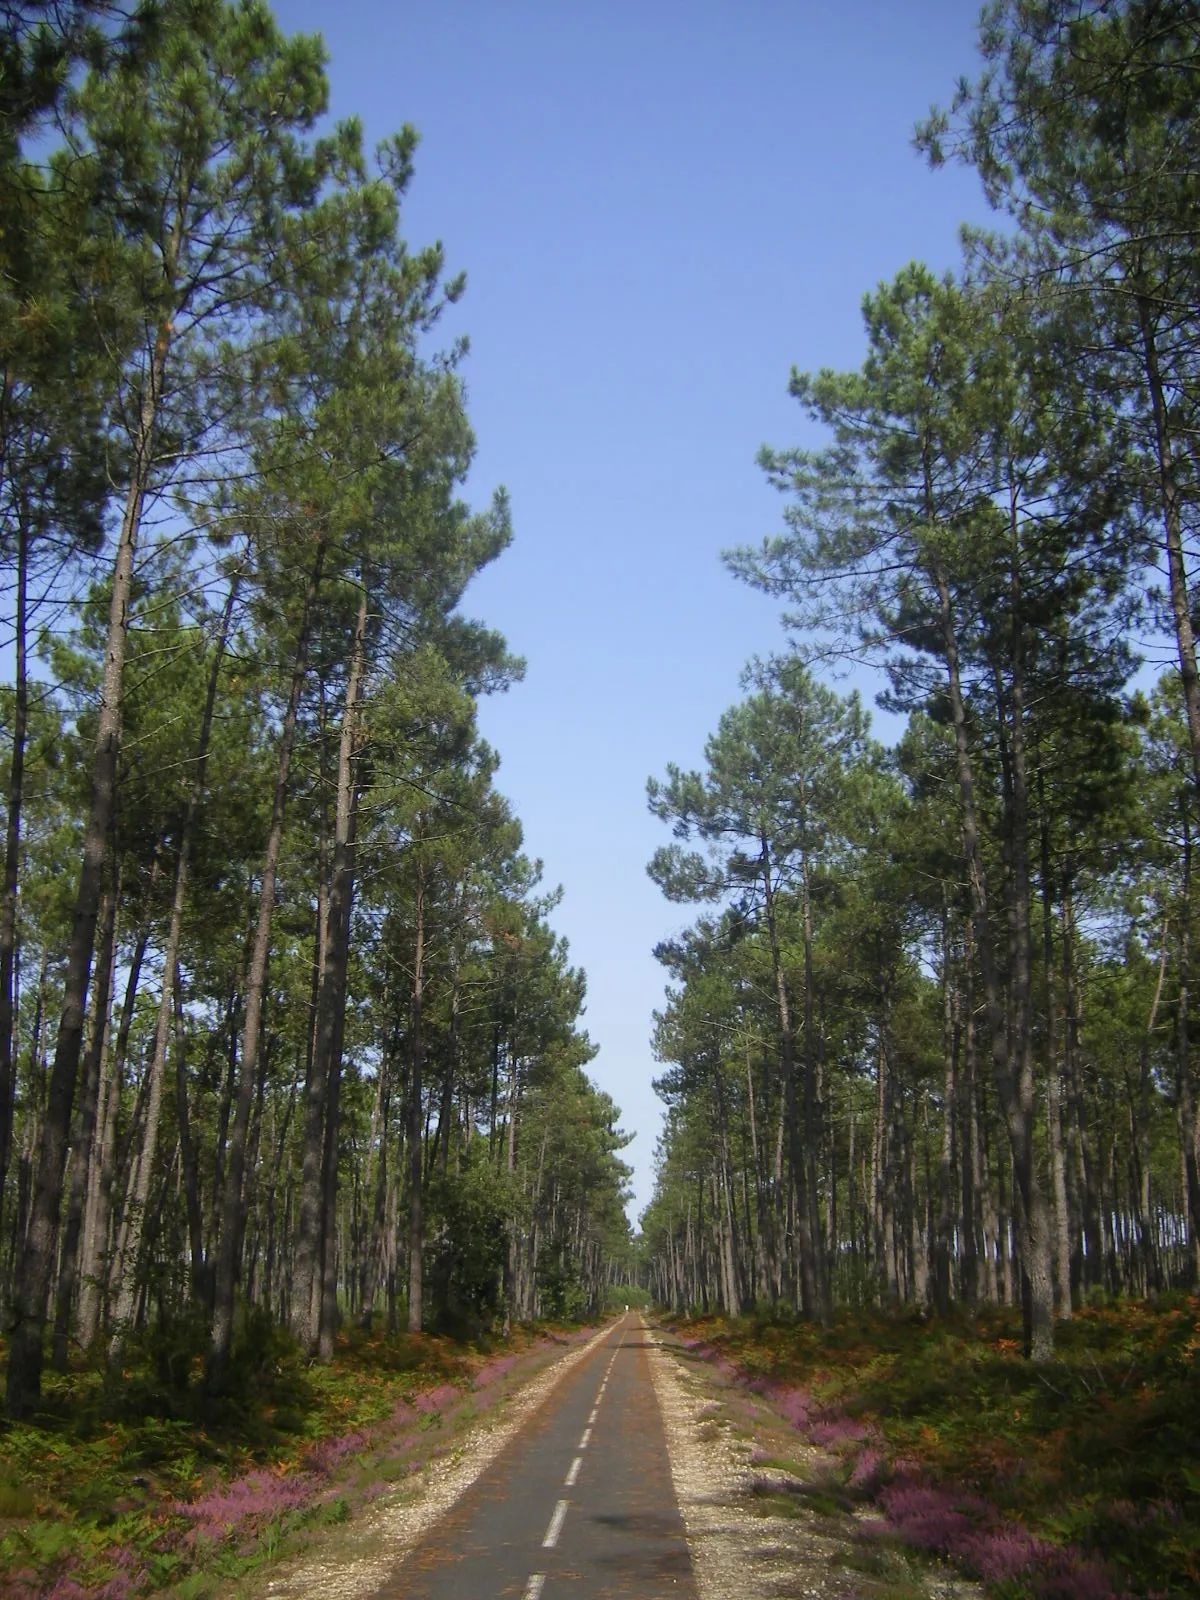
{"x": 579, "y": 1506}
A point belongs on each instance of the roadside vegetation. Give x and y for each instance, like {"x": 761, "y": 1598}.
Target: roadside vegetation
{"x": 131, "y": 1482}
{"x": 1077, "y": 1478}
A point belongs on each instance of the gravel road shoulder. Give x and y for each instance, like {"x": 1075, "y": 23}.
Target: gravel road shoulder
{"x": 355, "y": 1560}
{"x": 765, "y": 1515}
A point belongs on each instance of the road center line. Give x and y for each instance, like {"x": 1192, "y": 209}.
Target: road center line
{"x": 556, "y": 1522}
{"x": 533, "y": 1588}
{"x": 587, "y": 1434}
{"x": 594, "y": 1415}
{"x": 574, "y": 1472}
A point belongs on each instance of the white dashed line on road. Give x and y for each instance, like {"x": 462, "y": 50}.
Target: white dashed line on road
{"x": 556, "y": 1522}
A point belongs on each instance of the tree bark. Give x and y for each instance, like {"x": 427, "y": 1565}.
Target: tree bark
{"x": 319, "y": 1168}
{"x": 812, "y": 1109}
{"x": 85, "y": 1127}
{"x": 12, "y": 859}
{"x": 233, "y": 1215}
{"x": 1054, "y": 1118}
{"x": 943, "y": 1260}
{"x": 810, "y": 1292}
{"x": 1181, "y": 605}
{"x": 971, "y": 1225}
{"x": 416, "y": 1219}
{"x": 127, "y": 1273}
{"x": 187, "y": 1150}
{"x": 1012, "y": 1060}
{"x": 1183, "y": 1057}
{"x": 37, "y": 1259}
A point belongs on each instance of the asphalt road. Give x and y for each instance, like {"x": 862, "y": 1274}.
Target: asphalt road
{"x": 580, "y": 1506}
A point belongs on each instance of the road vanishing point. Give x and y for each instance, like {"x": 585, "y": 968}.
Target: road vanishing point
{"x": 579, "y": 1505}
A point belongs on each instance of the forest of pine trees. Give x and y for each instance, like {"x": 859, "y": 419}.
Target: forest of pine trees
{"x": 284, "y": 1030}
{"x": 934, "y": 1037}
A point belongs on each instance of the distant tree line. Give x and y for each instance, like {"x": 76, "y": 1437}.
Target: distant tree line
{"x": 283, "y": 1027}
{"x": 934, "y": 1041}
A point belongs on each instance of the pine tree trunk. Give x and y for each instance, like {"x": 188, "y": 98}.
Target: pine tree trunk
{"x": 321, "y": 1090}
{"x": 1183, "y": 1059}
{"x": 216, "y": 1200}
{"x": 761, "y": 1270}
{"x": 733, "y": 1299}
{"x": 945, "y": 1230}
{"x": 416, "y": 1219}
{"x": 1034, "y": 1239}
{"x": 972, "y": 1221}
{"x": 1058, "y": 1159}
{"x": 233, "y": 1213}
{"x": 1012, "y": 1059}
{"x": 1140, "y": 1147}
{"x": 31, "y": 1129}
{"x": 880, "y": 1159}
{"x": 94, "y": 1265}
{"x": 812, "y": 1118}
{"x": 810, "y": 1291}
{"x": 12, "y": 859}
{"x": 446, "y": 1109}
{"x": 1181, "y": 605}
{"x": 37, "y": 1257}
{"x": 85, "y": 1128}
{"x": 187, "y": 1151}
{"x": 1091, "y": 1266}
{"x": 127, "y": 1274}
{"x": 376, "y": 1189}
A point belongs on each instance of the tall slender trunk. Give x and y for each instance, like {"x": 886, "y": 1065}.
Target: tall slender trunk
{"x": 127, "y": 1272}
{"x": 810, "y": 1290}
{"x": 37, "y": 1072}
{"x": 1183, "y": 1055}
{"x": 1033, "y": 1212}
{"x": 812, "y": 1109}
{"x": 727, "y": 1219}
{"x": 94, "y": 1265}
{"x": 233, "y": 1215}
{"x": 416, "y": 1220}
{"x": 376, "y": 1188}
{"x": 880, "y": 1158}
{"x": 1012, "y": 1060}
{"x": 760, "y": 1210}
{"x": 971, "y": 1219}
{"x": 37, "y": 1259}
{"x": 943, "y": 1258}
{"x": 1090, "y": 1271}
{"x": 1054, "y": 1118}
{"x": 1140, "y": 1130}
{"x": 187, "y": 1150}
{"x": 1181, "y": 604}
{"x": 321, "y": 1089}
{"x": 340, "y": 958}
{"x": 85, "y": 1126}
{"x": 12, "y": 858}
{"x": 446, "y": 1108}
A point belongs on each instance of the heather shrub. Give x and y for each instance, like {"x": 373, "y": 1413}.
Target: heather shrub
{"x": 1089, "y": 1466}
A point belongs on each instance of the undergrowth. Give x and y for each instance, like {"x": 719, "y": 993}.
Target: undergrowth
{"x": 130, "y": 1482}
{"x": 1076, "y": 1477}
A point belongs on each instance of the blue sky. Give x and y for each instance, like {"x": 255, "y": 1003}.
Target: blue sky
{"x": 660, "y": 208}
